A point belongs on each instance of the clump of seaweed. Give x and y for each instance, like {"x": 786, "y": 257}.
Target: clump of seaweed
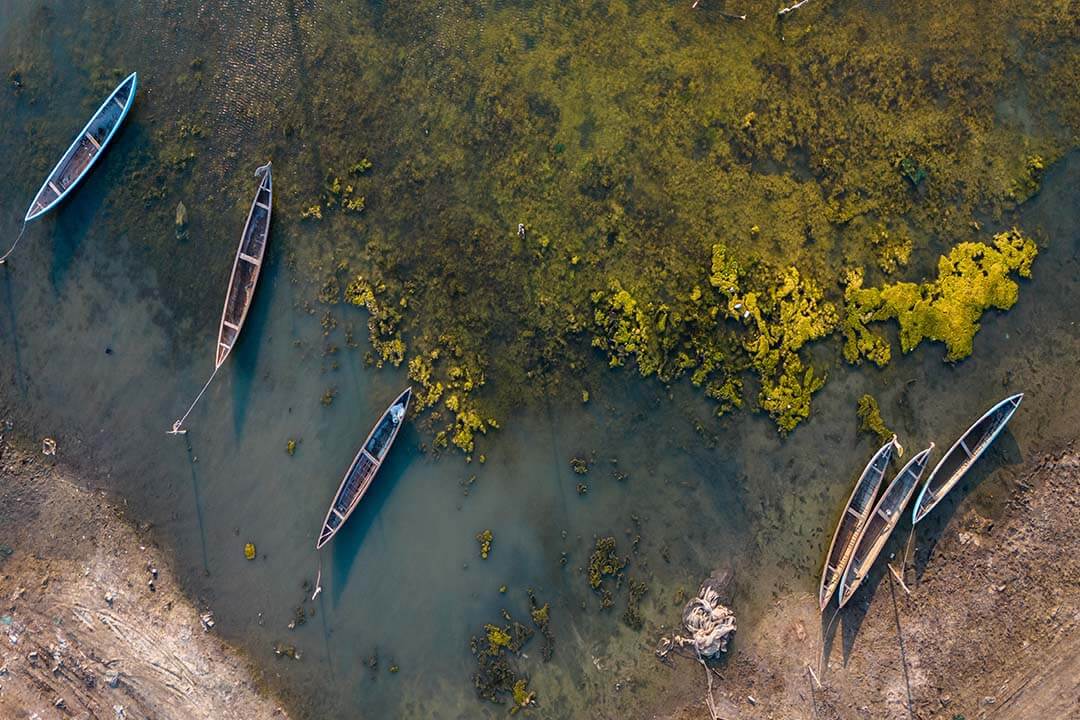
{"x": 605, "y": 565}
{"x": 972, "y": 278}
{"x": 870, "y": 421}
{"x": 632, "y": 615}
{"x": 541, "y": 617}
{"x": 485, "y": 538}
{"x": 497, "y": 675}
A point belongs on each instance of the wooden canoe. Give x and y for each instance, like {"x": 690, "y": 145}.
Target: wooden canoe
{"x": 87, "y": 147}
{"x": 883, "y": 519}
{"x": 851, "y": 522}
{"x": 364, "y": 467}
{"x": 963, "y": 455}
{"x": 246, "y": 267}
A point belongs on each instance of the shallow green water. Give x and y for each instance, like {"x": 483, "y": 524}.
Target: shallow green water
{"x": 404, "y": 577}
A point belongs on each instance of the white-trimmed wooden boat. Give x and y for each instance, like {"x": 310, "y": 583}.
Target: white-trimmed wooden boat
{"x": 245, "y": 274}
{"x": 364, "y": 467}
{"x": 963, "y": 455}
{"x": 87, "y": 147}
{"x": 851, "y": 522}
{"x": 246, "y": 267}
{"x": 883, "y": 519}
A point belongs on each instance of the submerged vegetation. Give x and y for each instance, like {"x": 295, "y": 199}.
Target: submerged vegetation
{"x": 698, "y": 200}
{"x": 870, "y": 420}
{"x": 499, "y": 654}
{"x": 706, "y": 203}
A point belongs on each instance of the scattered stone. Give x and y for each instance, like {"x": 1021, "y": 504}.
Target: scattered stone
{"x": 112, "y": 679}
{"x": 48, "y": 446}
{"x": 207, "y": 620}
{"x": 181, "y": 221}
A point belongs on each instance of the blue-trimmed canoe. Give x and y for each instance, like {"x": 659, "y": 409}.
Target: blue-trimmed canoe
{"x": 851, "y": 522}
{"x": 875, "y": 533}
{"x": 364, "y": 466}
{"x": 963, "y": 455}
{"x": 87, "y": 147}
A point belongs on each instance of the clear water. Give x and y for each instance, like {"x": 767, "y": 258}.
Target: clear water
{"x": 404, "y": 577}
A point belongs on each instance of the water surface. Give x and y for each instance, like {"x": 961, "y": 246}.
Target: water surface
{"x": 103, "y": 343}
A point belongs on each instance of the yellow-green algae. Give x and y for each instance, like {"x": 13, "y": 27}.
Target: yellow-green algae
{"x": 631, "y": 139}
{"x": 870, "y": 420}
{"x": 972, "y": 278}
{"x": 693, "y": 191}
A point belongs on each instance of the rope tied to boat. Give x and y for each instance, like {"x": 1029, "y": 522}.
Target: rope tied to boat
{"x": 263, "y": 169}
{"x": 179, "y": 423}
{"x": 11, "y": 249}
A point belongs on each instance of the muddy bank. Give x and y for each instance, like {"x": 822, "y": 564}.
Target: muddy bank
{"x": 93, "y": 624}
{"x": 991, "y": 628}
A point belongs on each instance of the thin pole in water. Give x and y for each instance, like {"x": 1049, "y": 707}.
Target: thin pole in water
{"x": 11, "y": 249}
{"x": 176, "y": 425}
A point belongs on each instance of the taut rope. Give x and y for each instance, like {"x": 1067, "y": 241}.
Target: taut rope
{"x": 176, "y": 425}
{"x": 14, "y": 244}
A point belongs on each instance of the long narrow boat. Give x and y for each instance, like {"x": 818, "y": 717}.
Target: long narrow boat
{"x": 963, "y": 455}
{"x": 246, "y": 266}
{"x": 87, "y": 147}
{"x": 364, "y": 466}
{"x": 245, "y": 274}
{"x": 882, "y": 520}
{"x": 851, "y": 522}
{"x": 81, "y": 155}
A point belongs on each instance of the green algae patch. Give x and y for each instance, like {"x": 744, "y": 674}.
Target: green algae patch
{"x": 870, "y": 420}
{"x": 498, "y": 651}
{"x": 972, "y": 278}
{"x": 576, "y": 188}
{"x": 485, "y": 538}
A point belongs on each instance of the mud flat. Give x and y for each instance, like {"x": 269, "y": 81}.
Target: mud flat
{"x": 991, "y": 628}
{"x": 93, "y": 624}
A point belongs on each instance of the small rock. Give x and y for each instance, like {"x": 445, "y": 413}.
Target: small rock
{"x": 112, "y": 679}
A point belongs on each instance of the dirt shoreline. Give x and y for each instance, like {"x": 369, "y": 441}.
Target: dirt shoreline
{"x": 991, "y": 629}
{"x": 85, "y": 633}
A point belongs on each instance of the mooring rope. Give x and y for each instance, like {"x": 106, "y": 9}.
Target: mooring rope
{"x": 318, "y": 580}
{"x": 176, "y": 425}
{"x": 13, "y": 245}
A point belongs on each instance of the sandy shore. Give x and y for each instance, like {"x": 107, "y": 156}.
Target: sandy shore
{"x": 991, "y": 628}
{"x": 84, "y": 633}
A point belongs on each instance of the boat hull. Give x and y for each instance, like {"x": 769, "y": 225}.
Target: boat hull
{"x": 963, "y": 454}
{"x": 364, "y": 467}
{"x": 883, "y": 519}
{"x": 246, "y": 266}
{"x": 84, "y": 151}
{"x": 851, "y": 522}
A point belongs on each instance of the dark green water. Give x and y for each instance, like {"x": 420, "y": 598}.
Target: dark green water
{"x": 404, "y": 577}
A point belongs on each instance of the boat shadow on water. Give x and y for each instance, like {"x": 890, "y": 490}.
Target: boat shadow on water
{"x": 246, "y": 352}
{"x": 345, "y": 546}
{"x": 1005, "y": 452}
